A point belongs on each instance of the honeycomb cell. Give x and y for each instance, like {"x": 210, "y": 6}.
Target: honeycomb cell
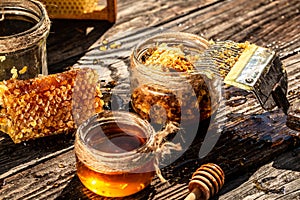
{"x": 48, "y": 105}
{"x": 70, "y": 7}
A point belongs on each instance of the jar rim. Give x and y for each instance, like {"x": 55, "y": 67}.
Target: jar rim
{"x": 103, "y": 161}
{"x": 180, "y": 36}
{"x": 30, "y": 36}
{"x": 115, "y": 116}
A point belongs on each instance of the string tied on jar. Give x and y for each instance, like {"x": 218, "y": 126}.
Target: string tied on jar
{"x": 161, "y": 147}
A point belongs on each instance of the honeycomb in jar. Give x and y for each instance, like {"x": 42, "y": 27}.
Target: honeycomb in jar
{"x": 167, "y": 59}
{"x": 176, "y": 106}
{"x": 48, "y": 105}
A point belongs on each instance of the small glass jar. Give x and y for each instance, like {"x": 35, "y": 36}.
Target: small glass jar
{"x": 181, "y": 96}
{"x": 24, "y": 27}
{"x": 112, "y": 154}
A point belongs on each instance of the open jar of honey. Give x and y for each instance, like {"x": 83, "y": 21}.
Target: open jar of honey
{"x": 113, "y": 158}
{"x": 166, "y": 82}
{"x": 24, "y": 27}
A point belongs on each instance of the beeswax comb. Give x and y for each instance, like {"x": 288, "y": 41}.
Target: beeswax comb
{"x": 48, "y": 105}
{"x": 249, "y": 67}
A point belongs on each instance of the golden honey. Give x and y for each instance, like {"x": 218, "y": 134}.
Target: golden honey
{"x": 116, "y": 184}
{"x": 112, "y": 158}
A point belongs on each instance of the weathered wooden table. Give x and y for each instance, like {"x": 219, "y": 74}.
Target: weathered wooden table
{"x": 259, "y": 154}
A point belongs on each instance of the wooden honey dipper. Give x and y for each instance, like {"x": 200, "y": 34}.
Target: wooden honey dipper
{"x": 206, "y": 181}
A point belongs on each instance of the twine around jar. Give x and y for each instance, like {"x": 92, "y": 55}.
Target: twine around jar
{"x": 156, "y": 147}
{"x": 161, "y": 147}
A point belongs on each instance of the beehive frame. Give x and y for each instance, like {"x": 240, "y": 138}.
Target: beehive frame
{"x": 82, "y": 9}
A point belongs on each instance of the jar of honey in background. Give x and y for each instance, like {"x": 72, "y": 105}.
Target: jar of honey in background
{"x": 113, "y": 158}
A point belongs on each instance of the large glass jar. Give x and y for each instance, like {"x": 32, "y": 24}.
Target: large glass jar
{"x": 113, "y": 158}
{"x": 163, "y": 91}
{"x": 24, "y": 27}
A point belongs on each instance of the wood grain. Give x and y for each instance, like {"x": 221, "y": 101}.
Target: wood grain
{"x": 252, "y": 139}
{"x": 278, "y": 179}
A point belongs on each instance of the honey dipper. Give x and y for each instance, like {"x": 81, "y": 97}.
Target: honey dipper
{"x": 206, "y": 181}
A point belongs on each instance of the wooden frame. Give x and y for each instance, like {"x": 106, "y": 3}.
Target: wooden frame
{"x": 101, "y": 12}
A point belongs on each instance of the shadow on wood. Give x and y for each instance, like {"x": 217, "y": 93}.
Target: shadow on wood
{"x": 69, "y": 40}
{"x": 26, "y": 154}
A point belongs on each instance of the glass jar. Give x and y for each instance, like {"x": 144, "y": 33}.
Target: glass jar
{"x": 160, "y": 94}
{"x": 113, "y": 158}
{"x": 24, "y": 27}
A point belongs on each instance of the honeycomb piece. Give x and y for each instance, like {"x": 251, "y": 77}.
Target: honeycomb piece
{"x": 156, "y": 101}
{"x": 167, "y": 59}
{"x": 70, "y": 7}
{"x": 48, "y": 105}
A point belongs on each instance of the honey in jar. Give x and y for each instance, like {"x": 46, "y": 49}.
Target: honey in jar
{"x": 112, "y": 156}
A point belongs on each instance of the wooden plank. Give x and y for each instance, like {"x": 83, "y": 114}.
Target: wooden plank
{"x": 69, "y": 40}
{"x": 134, "y": 15}
{"x": 76, "y": 40}
{"x": 238, "y": 133}
{"x": 45, "y": 180}
{"x": 278, "y": 179}
{"x": 251, "y": 137}
{"x": 19, "y": 157}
